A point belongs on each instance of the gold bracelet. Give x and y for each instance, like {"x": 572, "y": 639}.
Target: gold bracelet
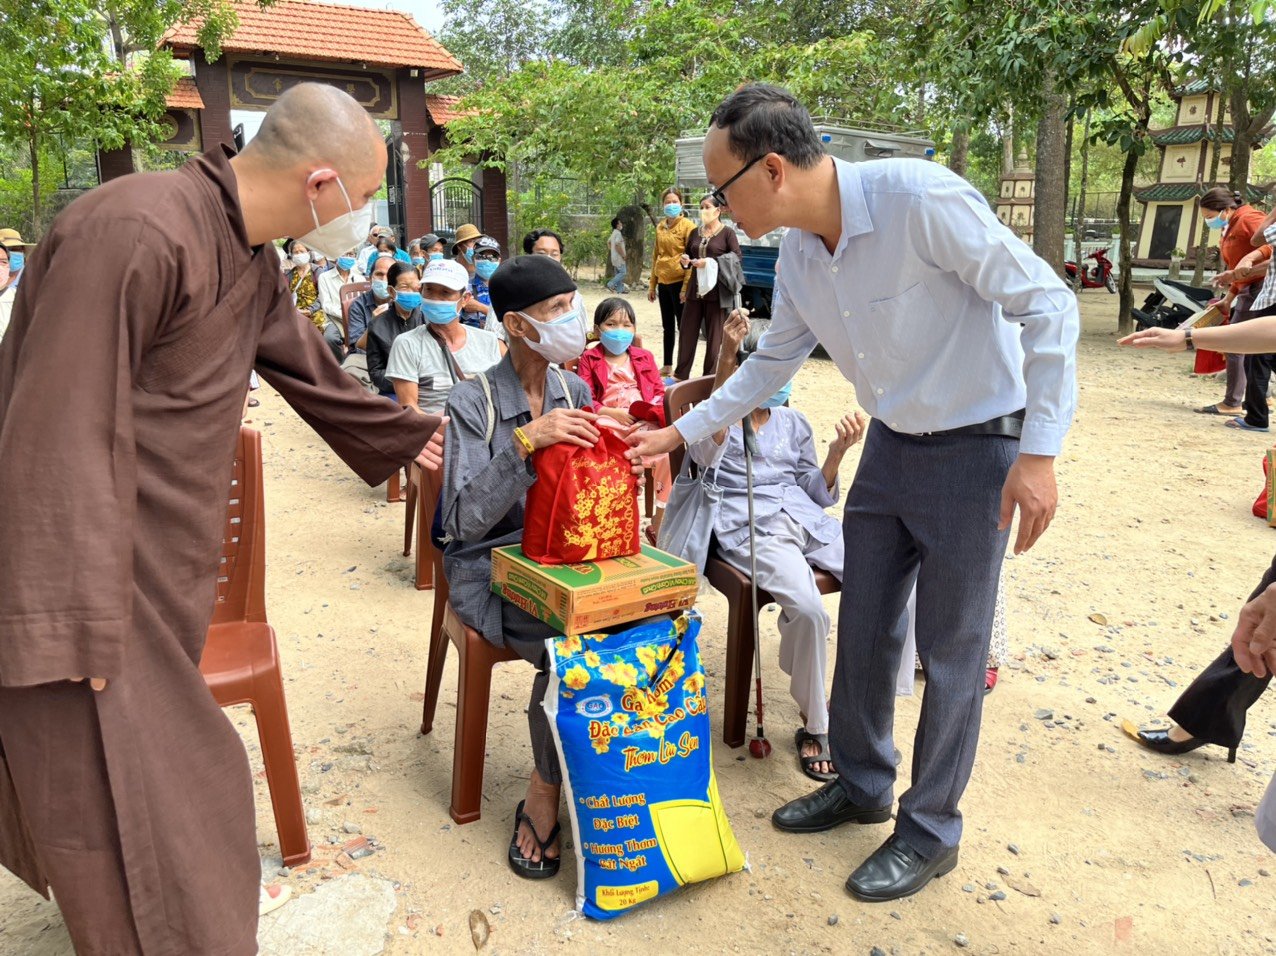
{"x": 524, "y": 440}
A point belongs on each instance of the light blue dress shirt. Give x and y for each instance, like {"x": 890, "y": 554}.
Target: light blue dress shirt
{"x": 920, "y": 306}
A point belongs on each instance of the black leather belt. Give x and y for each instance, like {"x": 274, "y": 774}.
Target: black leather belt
{"x": 1007, "y": 426}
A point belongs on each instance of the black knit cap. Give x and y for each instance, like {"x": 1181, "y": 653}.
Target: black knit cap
{"x": 525, "y": 280}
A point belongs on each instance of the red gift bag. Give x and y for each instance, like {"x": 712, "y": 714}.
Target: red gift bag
{"x": 1208, "y": 363}
{"x": 584, "y": 504}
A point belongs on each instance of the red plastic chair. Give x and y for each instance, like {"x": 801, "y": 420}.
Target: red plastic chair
{"x": 477, "y": 657}
{"x": 349, "y": 292}
{"x": 240, "y": 663}
{"x": 732, "y": 584}
{"x": 417, "y": 516}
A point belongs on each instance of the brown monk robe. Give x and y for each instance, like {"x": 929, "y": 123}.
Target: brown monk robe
{"x": 122, "y": 380}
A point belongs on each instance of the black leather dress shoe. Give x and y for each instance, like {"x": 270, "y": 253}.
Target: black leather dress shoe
{"x": 825, "y": 809}
{"x": 896, "y": 870}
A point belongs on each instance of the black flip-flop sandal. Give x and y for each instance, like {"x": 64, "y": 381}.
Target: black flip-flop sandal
{"x": 543, "y": 869}
{"x": 802, "y": 738}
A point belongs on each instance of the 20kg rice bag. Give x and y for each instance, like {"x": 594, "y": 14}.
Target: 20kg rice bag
{"x": 631, "y": 722}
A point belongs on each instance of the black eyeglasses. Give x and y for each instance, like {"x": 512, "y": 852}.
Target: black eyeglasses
{"x": 719, "y": 193}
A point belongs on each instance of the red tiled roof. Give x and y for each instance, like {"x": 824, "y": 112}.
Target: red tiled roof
{"x": 327, "y": 31}
{"x": 185, "y": 95}
{"x": 442, "y": 109}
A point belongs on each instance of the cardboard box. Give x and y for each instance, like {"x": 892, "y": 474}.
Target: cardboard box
{"x": 579, "y": 598}
{"x": 1271, "y": 487}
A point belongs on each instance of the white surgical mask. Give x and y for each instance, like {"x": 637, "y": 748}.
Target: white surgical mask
{"x": 562, "y": 339}
{"x": 301, "y": 259}
{"x": 333, "y": 238}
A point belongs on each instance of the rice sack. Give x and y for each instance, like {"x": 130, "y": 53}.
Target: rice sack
{"x": 631, "y": 722}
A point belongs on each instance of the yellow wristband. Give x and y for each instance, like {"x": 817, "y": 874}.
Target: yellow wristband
{"x": 524, "y": 440}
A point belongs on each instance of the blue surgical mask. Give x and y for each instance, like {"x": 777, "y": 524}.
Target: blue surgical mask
{"x": 418, "y": 260}
{"x": 779, "y": 398}
{"x": 617, "y": 341}
{"x": 440, "y": 313}
{"x": 345, "y": 263}
{"x": 486, "y": 268}
{"x": 1218, "y": 222}
{"x": 16, "y": 261}
{"x": 381, "y": 288}
{"x": 408, "y": 301}
{"x": 469, "y": 254}
{"x": 673, "y": 209}
{"x": 435, "y": 256}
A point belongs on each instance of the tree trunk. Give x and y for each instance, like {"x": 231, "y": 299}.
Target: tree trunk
{"x": 633, "y": 226}
{"x": 33, "y": 147}
{"x": 1203, "y": 241}
{"x": 1050, "y": 214}
{"x": 1125, "y": 320}
{"x": 1078, "y": 211}
{"x": 1008, "y": 149}
{"x": 959, "y": 151}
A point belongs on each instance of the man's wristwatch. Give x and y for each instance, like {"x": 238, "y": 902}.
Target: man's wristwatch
{"x": 1187, "y": 338}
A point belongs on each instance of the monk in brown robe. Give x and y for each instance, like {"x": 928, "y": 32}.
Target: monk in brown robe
{"x": 123, "y": 787}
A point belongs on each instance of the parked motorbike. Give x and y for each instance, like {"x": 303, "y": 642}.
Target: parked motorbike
{"x": 1170, "y": 304}
{"x": 1098, "y": 276}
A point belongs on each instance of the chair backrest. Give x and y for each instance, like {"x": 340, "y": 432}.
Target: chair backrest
{"x": 431, "y": 488}
{"x": 241, "y": 575}
{"x": 349, "y": 292}
{"x": 680, "y": 399}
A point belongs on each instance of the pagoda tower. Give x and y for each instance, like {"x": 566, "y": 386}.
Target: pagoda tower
{"x": 1171, "y": 217}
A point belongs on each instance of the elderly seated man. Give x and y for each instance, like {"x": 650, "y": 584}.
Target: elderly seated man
{"x": 793, "y": 533}
{"x": 426, "y": 362}
{"x": 498, "y": 419}
{"x": 330, "y": 282}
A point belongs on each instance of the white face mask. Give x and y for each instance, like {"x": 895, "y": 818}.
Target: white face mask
{"x": 562, "y": 339}
{"x": 301, "y": 259}
{"x": 333, "y": 238}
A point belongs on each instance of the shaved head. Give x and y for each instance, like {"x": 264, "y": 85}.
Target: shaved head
{"x": 317, "y": 124}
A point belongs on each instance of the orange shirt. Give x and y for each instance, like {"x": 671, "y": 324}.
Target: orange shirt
{"x": 1235, "y": 244}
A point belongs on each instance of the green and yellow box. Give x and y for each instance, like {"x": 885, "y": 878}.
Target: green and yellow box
{"x": 580, "y": 598}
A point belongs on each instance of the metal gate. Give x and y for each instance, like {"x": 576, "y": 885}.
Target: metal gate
{"x": 454, "y": 202}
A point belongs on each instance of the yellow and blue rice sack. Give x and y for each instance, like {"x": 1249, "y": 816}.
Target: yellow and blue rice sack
{"x": 631, "y": 722}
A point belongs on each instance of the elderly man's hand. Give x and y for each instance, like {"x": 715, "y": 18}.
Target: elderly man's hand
{"x": 431, "y": 456}
{"x": 1254, "y": 642}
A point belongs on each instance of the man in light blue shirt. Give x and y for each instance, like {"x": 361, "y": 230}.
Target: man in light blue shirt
{"x": 960, "y": 342}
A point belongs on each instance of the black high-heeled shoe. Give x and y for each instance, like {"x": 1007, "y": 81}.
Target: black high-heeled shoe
{"x": 1163, "y": 743}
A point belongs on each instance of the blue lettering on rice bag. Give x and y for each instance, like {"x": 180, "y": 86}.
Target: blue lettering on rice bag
{"x": 631, "y": 723}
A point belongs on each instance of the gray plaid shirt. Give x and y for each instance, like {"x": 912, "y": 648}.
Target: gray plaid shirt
{"x": 484, "y": 485}
{"x": 1266, "y": 297}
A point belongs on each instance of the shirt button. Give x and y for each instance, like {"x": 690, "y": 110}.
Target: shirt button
{"x": 835, "y": 268}
{"x": 895, "y": 425}
{"x": 846, "y": 315}
{"x": 861, "y": 354}
{"x": 881, "y": 391}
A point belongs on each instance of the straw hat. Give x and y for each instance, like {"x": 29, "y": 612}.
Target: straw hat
{"x": 11, "y": 237}
{"x": 465, "y": 234}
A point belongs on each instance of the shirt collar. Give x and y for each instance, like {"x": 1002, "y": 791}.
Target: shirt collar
{"x": 856, "y": 220}
{"x": 511, "y": 400}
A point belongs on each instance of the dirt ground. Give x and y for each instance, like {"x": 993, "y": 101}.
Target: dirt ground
{"x": 1098, "y": 846}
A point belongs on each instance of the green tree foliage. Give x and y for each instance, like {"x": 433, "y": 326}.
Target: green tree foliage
{"x": 91, "y": 71}
{"x": 607, "y": 106}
